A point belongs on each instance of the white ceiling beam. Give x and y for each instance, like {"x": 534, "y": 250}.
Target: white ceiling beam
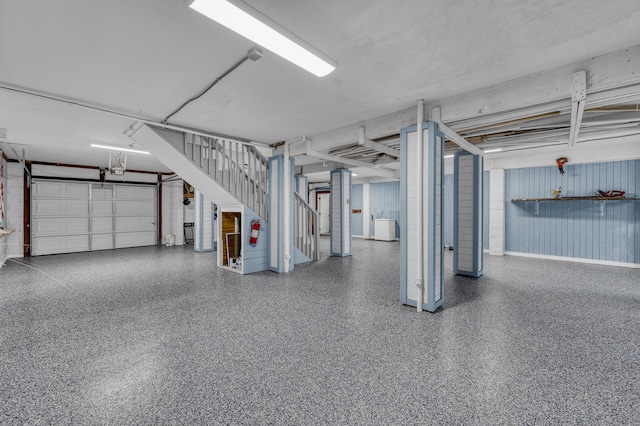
{"x": 453, "y": 136}
{"x": 389, "y": 124}
{"x": 546, "y": 91}
{"x": 363, "y": 141}
{"x": 578, "y": 98}
{"x": 379, "y": 171}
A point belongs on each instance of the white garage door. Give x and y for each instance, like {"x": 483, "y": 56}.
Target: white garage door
{"x": 71, "y": 216}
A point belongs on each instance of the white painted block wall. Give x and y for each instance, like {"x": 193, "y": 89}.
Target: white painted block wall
{"x": 173, "y": 210}
{"x": 496, "y": 212}
{"x": 14, "y": 204}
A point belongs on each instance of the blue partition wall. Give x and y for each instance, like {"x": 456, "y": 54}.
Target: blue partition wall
{"x": 467, "y": 214}
{"x": 385, "y": 203}
{"x": 357, "y": 203}
{"x": 586, "y": 229}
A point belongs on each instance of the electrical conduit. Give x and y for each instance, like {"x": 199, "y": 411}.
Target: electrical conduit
{"x": 419, "y": 208}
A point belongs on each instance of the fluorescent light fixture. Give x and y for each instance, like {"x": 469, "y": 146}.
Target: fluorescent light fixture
{"x": 448, "y": 156}
{"x": 354, "y": 174}
{"x": 117, "y": 148}
{"x": 251, "y": 24}
{"x": 493, "y": 150}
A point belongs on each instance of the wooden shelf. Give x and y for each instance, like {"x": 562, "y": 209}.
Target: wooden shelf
{"x": 592, "y": 198}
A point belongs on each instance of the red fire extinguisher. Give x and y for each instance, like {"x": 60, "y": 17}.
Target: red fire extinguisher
{"x": 255, "y": 230}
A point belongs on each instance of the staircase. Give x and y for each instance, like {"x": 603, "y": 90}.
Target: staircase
{"x": 228, "y": 172}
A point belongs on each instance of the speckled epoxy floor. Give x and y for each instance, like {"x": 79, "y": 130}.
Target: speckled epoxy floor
{"x": 158, "y": 335}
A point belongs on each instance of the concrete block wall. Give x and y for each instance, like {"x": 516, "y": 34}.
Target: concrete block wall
{"x": 14, "y": 205}
{"x": 496, "y": 212}
{"x": 173, "y": 210}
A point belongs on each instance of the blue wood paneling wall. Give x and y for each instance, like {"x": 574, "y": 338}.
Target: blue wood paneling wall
{"x": 385, "y": 202}
{"x": 447, "y": 217}
{"x": 356, "y": 204}
{"x": 448, "y": 210}
{"x": 255, "y": 257}
{"x": 607, "y": 231}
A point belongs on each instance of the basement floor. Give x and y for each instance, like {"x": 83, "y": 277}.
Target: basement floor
{"x": 159, "y": 335}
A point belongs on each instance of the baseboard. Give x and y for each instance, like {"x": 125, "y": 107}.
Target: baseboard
{"x": 574, "y": 259}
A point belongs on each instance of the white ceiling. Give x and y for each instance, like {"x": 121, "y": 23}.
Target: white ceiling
{"x": 146, "y": 57}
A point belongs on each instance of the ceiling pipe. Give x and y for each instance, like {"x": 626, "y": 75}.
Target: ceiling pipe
{"x": 419, "y": 207}
{"x": 138, "y": 119}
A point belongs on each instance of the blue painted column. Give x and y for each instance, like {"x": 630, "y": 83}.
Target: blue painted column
{"x": 432, "y": 164}
{"x": 340, "y": 212}
{"x": 204, "y": 229}
{"x": 276, "y": 218}
{"x": 467, "y": 214}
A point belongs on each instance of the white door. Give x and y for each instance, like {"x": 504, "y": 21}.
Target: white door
{"x": 71, "y": 217}
{"x": 323, "y": 201}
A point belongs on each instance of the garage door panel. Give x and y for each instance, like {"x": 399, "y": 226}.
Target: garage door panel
{"x": 135, "y": 208}
{"x": 98, "y": 193}
{"x": 131, "y": 224}
{"x": 60, "y": 226}
{"x": 72, "y": 217}
{"x": 102, "y": 241}
{"x": 60, "y": 207}
{"x": 101, "y": 225}
{"x": 135, "y": 239}
{"x": 100, "y": 207}
{"x": 60, "y": 244}
{"x": 60, "y": 190}
{"x": 136, "y": 192}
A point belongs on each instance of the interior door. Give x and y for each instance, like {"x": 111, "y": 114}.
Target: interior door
{"x": 323, "y": 201}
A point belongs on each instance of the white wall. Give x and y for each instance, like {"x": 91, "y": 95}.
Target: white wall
{"x": 14, "y": 203}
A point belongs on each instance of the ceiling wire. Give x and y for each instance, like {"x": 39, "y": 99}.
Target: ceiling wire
{"x": 254, "y": 54}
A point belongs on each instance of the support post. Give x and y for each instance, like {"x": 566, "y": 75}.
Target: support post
{"x": 280, "y": 244}
{"x": 430, "y": 200}
{"x": 340, "y": 212}
{"x": 467, "y": 214}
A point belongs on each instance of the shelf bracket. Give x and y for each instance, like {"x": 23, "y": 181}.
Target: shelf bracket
{"x": 602, "y": 203}
{"x": 537, "y": 208}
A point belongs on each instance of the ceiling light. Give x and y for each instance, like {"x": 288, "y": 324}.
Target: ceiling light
{"x": 354, "y": 174}
{"x": 258, "y": 28}
{"x": 448, "y": 156}
{"x": 493, "y": 150}
{"x": 117, "y": 148}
